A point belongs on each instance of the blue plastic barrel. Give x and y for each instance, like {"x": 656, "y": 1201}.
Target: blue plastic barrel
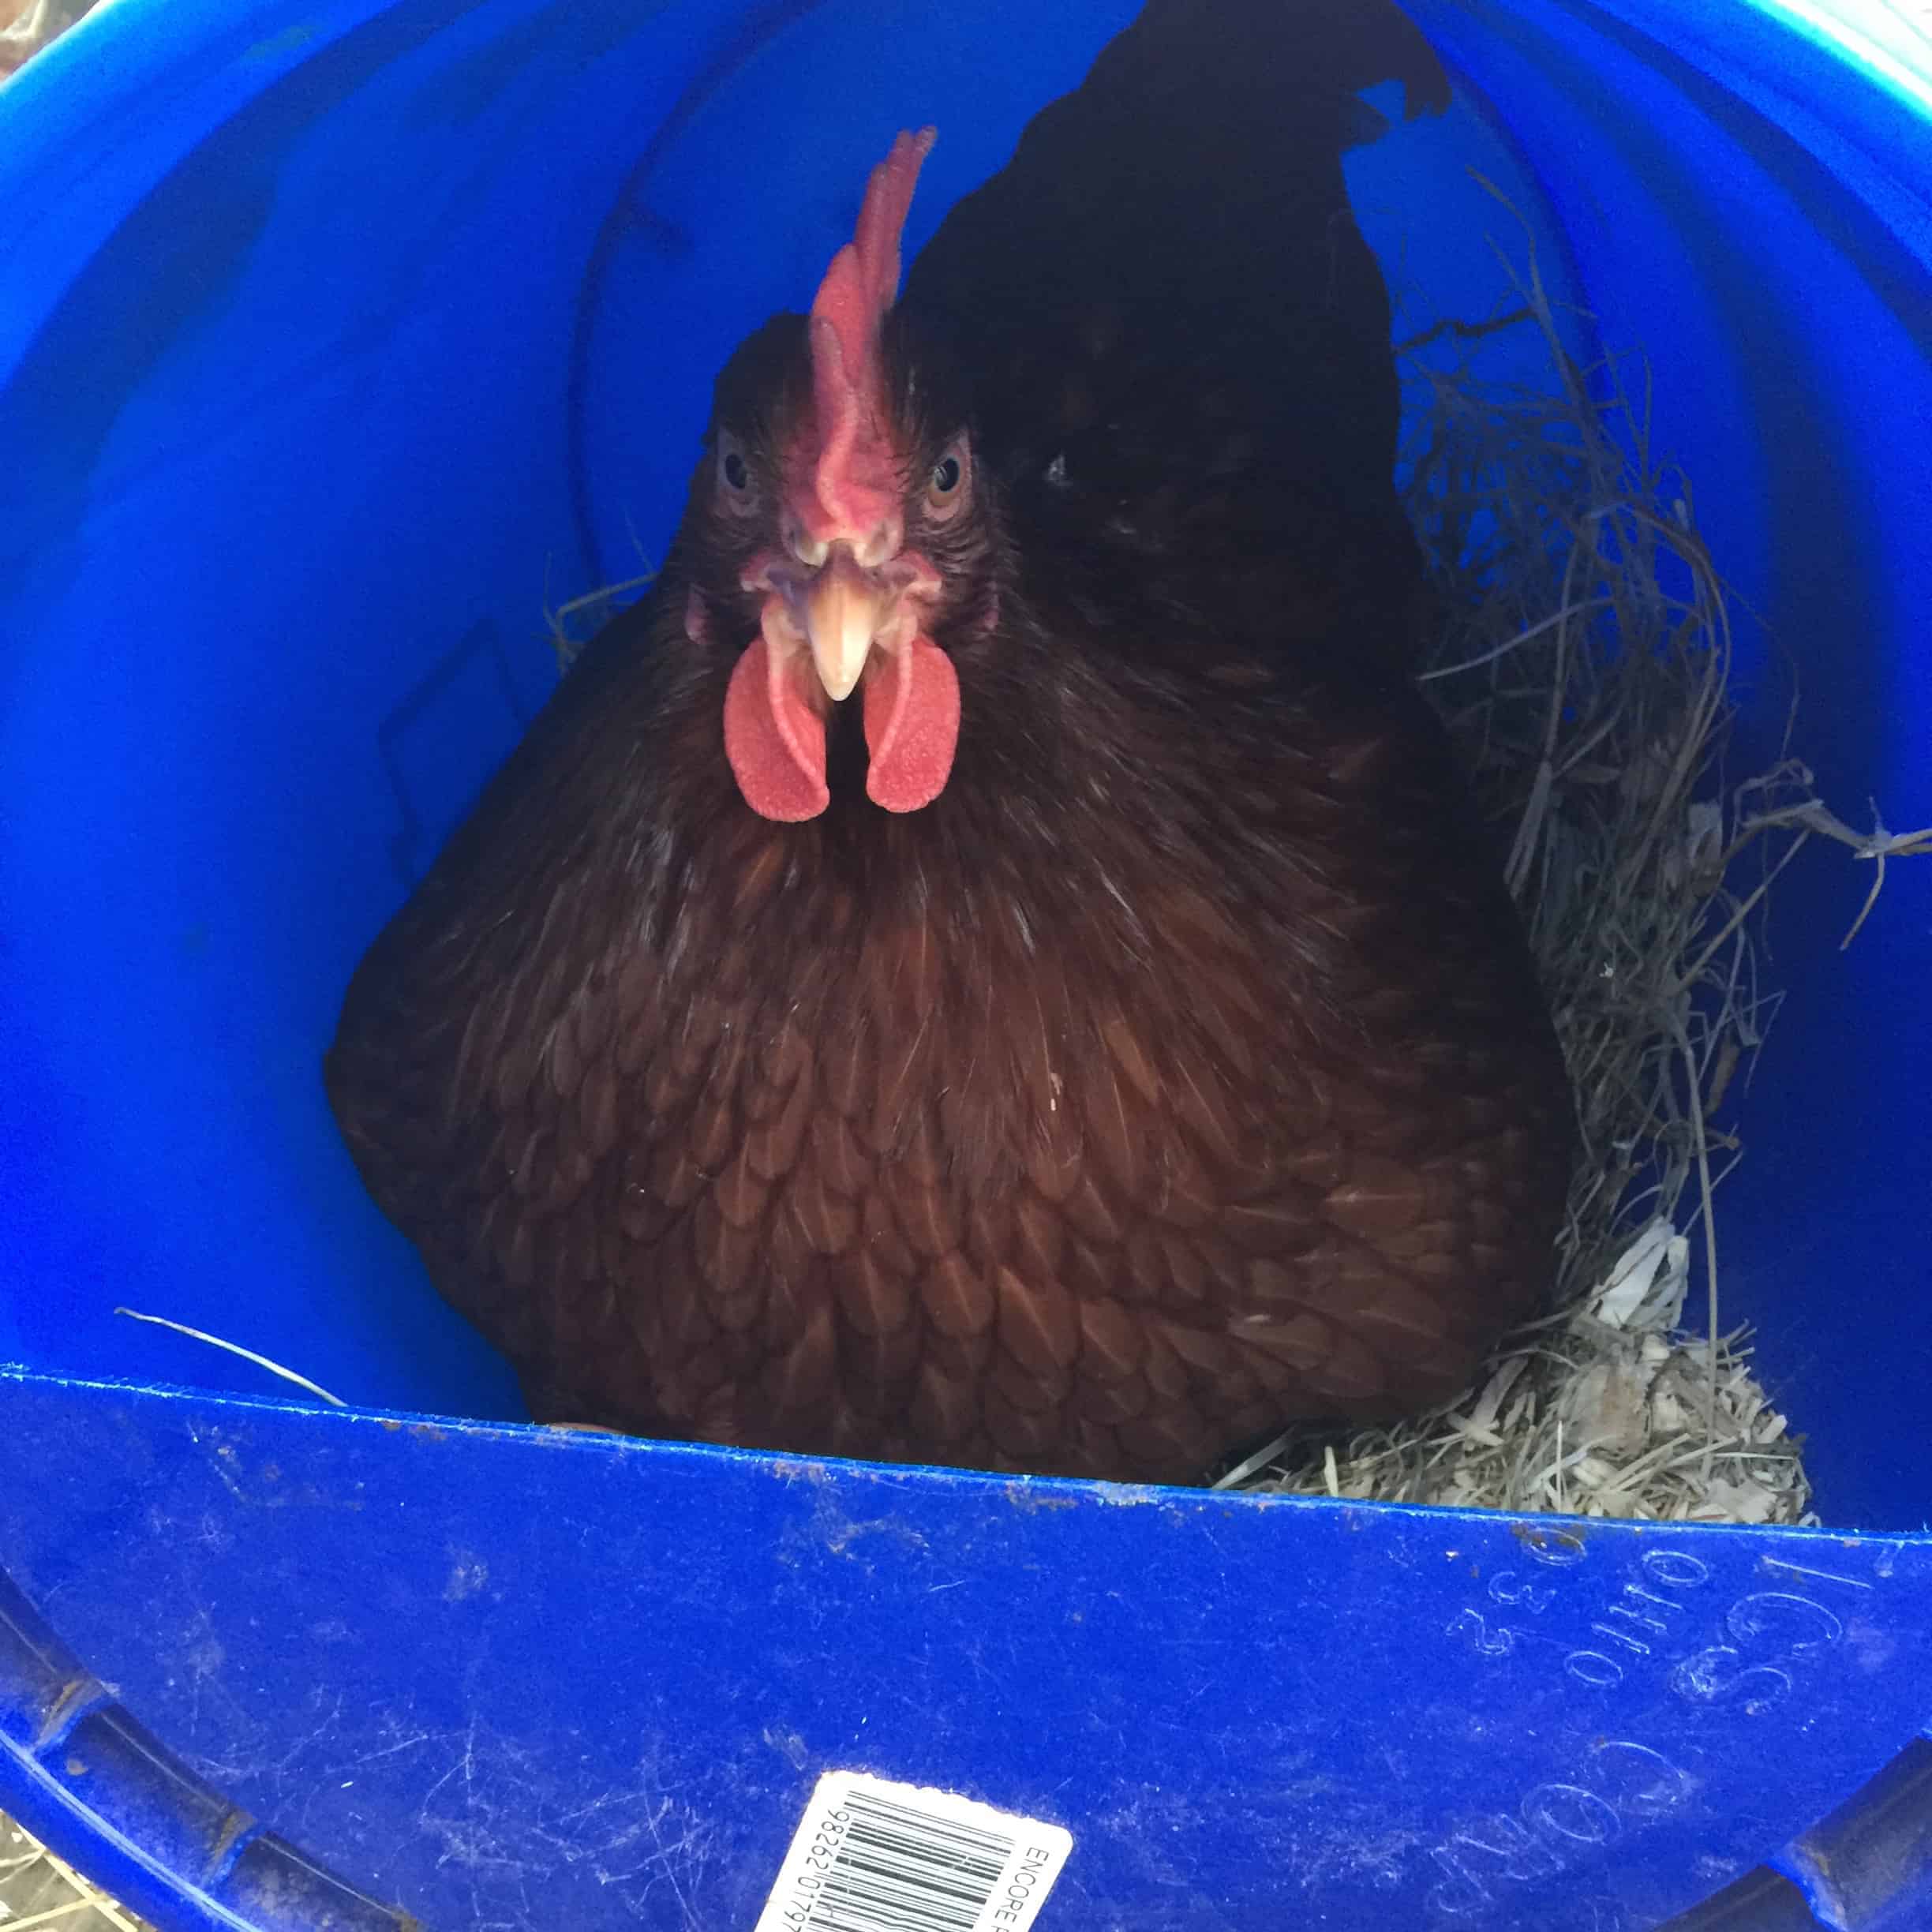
{"x": 337, "y": 339}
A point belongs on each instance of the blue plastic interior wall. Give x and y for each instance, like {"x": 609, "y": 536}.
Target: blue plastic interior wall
{"x": 337, "y": 343}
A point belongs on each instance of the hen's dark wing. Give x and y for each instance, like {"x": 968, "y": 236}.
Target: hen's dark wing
{"x": 1176, "y": 336}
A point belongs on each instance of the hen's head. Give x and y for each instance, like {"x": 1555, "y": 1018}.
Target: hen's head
{"x": 837, "y": 522}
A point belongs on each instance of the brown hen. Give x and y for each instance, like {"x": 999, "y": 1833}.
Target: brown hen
{"x": 1109, "y": 1039}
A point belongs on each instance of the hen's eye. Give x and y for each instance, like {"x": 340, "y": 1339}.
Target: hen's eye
{"x": 947, "y": 482}
{"x": 736, "y": 488}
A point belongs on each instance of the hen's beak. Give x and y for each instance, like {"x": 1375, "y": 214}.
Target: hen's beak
{"x": 845, "y": 607}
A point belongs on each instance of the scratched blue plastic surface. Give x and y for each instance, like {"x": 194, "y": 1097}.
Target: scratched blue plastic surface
{"x": 513, "y": 1679}
{"x": 336, "y": 341}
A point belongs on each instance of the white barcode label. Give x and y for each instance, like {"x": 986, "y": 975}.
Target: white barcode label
{"x": 871, "y": 1856}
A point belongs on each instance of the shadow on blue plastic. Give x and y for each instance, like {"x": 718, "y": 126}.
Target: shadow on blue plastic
{"x": 339, "y": 342}
{"x": 1867, "y": 1865}
{"x": 122, "y": 1798}
{"x": 1761, "y": 1902}
{"x": 512, "y": 1678}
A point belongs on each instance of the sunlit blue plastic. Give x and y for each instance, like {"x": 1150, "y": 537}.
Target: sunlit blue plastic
{"x": 335, "y": 344}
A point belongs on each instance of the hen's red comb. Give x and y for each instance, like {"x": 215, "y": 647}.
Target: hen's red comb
{"x": 857, "y": 484}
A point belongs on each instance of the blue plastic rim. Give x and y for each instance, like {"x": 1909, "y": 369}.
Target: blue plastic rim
{"x": 337, "y": 342}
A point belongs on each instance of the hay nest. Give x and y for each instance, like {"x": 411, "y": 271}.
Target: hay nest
{"x": 1582, "y": 666}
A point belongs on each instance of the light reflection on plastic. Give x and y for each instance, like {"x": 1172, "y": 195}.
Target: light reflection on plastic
{"x": 1894, "y": 43}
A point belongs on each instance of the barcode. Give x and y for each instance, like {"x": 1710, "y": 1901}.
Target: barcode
{"x": 902, "y": 1870}
{"x": 871, "y": 1856}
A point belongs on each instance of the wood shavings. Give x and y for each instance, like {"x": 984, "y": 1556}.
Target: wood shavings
{"x": 1589, "y": 1419}
{"x": 1583, "y": 667}
{"x": 1646, "y": 1288}
{"x": 37, "y": 1889}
